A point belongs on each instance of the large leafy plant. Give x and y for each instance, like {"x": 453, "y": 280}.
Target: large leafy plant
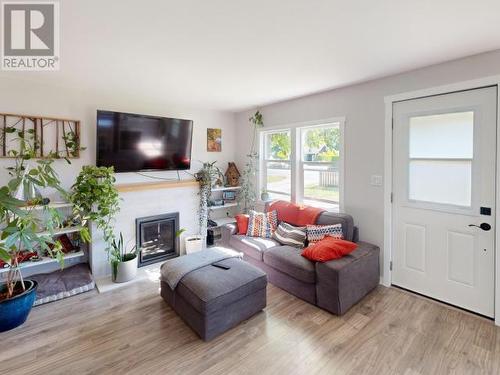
{"x": 96, "y": 199}
{"x": 21, "y": 233}
{"x": 248, "y": 195}
{"x": 21, "y": 230}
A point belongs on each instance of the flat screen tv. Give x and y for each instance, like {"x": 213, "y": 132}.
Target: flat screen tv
{"x": 132, "y": 143}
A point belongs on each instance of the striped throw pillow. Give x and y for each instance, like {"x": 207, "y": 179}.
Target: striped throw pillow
{"x": 262, "y": 224}
{"x": 316, "y": 233}
{"x": 287, "y": 234}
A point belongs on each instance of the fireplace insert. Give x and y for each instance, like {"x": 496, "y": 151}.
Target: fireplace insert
{"x": 156, "y": 238}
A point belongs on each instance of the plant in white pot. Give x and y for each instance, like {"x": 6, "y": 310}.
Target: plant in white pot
{"x": 123, "y": 261}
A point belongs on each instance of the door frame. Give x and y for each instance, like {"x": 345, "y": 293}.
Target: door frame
{"x": 386, "y": 279}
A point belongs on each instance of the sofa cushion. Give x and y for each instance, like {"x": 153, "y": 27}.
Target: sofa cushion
{"x": 210, "y": 289}
{"x": 329, "y": 218}
{"x": 253, "y": 247}
{"x": 242, "y": 223}
{"x": 262, "y": 224}
{"x": 298, "y": 215}
{"x": 316, "y": 233}
{"x": 328, "y": 248}
{"x": 287, "y": 234}
{"x": 288, "y": 260}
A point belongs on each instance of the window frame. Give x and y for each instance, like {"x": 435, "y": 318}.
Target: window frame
{"x": 265, "y": 161}
{"x": 303, "y": 163}
{"x": 296, "y": 159}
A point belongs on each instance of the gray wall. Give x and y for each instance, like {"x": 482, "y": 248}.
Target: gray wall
{"x": 363, "y": 107}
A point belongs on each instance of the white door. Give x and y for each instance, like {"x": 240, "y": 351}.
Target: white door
{"x": 444, "y": 150}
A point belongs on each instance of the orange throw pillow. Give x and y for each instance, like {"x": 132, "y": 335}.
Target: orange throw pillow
{"x": 328, "y": 248}
{"x": 242, "y": 223}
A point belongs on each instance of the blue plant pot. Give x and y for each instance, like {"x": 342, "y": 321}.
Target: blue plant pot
{"x": 15, "y": 311}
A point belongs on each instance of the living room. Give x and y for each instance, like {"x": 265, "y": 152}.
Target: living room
{"x": 249, "y": 187}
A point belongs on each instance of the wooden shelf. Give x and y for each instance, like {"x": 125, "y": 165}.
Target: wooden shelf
{"x": 125, "y": 188}
{"x": 225, "y": 188}
{"x": 223, "y": 221}
{"x": 60, "y": 231}
{"x": 227, "y": 205}
{"x": 45, "y": 260}
{"x": 50, "y": 205}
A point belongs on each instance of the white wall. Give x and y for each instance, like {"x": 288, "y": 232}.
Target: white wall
{"x": 363, "y": 107}
{"x": 21, "y": 96}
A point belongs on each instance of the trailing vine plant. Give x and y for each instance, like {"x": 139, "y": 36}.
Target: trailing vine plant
{"x": 28, "y": 143}
{"x": 96, "y": 199}
{"x": 72, "y": 144}
{"x": 248, "y": 195}
{"x": 206, "y": 176}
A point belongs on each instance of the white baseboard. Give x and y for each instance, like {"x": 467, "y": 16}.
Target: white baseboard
{"x": 150, "y": 273}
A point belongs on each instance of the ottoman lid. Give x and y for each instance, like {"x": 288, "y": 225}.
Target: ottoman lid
{"x": 209, "y": 289}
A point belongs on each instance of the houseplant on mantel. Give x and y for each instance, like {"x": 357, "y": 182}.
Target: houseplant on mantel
{"x": 95, "y": 200}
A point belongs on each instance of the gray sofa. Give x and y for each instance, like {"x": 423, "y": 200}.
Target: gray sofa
{"x": 334, "y": 286}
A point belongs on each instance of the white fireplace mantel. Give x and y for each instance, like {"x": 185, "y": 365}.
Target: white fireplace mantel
{"x": 147, "y": 199}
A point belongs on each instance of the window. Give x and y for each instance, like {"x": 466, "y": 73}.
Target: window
{"x": 302, "y": 164}
{"x": 277, "y": 164}
{"x": 440, "y": 158}
{"x": 320, "y": 165}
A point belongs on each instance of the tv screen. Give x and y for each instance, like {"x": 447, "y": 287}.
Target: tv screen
{"x": 132, "y": 143}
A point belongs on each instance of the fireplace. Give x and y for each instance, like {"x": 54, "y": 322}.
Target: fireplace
{"x": 156, "y": 238}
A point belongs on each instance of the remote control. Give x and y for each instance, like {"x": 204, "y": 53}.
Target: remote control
{"x": 221, "y": 266}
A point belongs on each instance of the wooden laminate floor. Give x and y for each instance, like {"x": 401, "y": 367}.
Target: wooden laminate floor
{"x": 132, "y": 331}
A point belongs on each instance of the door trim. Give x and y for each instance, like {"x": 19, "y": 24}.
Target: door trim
{"x": 386, "y": 278}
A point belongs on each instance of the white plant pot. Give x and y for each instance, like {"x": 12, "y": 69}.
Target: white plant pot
{"x": 126, "y": 271}
{"x": 193, "y": 243}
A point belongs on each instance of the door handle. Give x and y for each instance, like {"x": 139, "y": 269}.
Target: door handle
{"x": 484, "y": 226}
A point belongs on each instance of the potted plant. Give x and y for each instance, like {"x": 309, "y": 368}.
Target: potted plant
{"x": 95, "y": 199}
{"x": 264, "y": 195}
{"x": 193, "y": 243}
{"x": 123, "y": 261}
{"x": 248, "y": 194}
{"x": 21, "y": 233}
{"x": 21, "y": 236}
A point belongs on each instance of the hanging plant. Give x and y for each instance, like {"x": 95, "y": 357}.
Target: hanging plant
{"x": 206, "y": 176}
{"x": 248, "y": 195}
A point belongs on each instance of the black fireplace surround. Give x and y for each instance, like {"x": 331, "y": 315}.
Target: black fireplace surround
{"x": 156, "y": 238}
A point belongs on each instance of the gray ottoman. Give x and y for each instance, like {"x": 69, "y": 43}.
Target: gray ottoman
{"x": 212, "y": 300}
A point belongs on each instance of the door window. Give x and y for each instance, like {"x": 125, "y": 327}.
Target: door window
{"x": 441, "y": 149}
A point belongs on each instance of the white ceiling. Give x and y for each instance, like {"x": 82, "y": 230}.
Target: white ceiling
{"x": 235, "y": 54}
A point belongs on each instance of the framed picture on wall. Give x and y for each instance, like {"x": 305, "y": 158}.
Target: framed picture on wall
{"x": 214, "y": 140}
